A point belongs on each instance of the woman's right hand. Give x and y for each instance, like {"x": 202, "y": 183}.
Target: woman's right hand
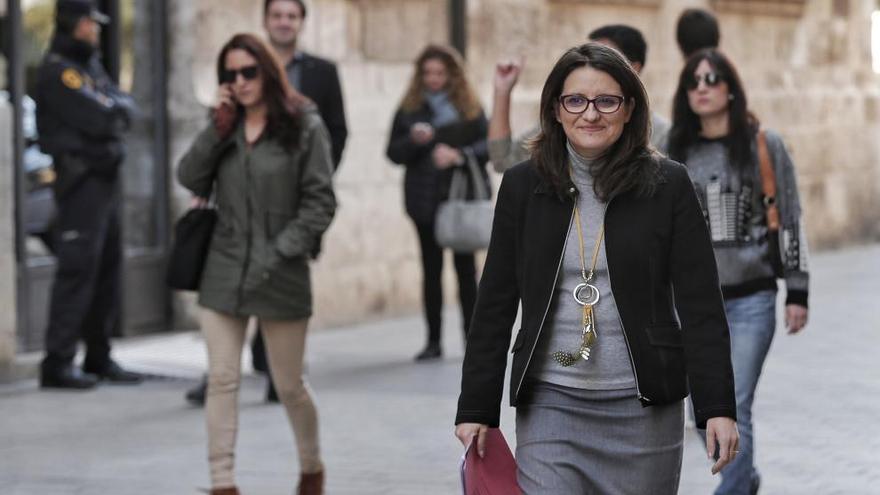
{"x": 466, "y": 433}
{"x": 198, "y": 202}
{"x": 507, "y": 74}
{"x": 224, "y": 114}
{"x": 225, "y": 95}
{"x": 421, "y": 133}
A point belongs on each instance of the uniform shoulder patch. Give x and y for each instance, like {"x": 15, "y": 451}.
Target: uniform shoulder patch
{"x": 72, "y": 78}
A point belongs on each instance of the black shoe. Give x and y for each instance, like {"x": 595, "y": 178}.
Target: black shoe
{"x": 196, "y": 395}
{"x": 431, "y": 352}
{"x": 68, "y": 377}
{"x": 114, "y": 373}
{"x": 271, "y": 393}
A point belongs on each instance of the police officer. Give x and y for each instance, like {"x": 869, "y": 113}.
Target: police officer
{"x": 81, "y": 116}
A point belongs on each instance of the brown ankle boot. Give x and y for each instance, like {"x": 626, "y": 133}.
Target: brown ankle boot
{"x": 311, "y": 484}
{"x": 225, "y": 491}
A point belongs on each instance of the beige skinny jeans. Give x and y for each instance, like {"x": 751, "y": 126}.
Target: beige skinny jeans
{"x": 285, "y": 346}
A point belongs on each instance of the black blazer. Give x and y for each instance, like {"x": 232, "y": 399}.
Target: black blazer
{"x": 320, "y": 82}
{"x": 654, "y": 245}
{"x": 424, "y": 185}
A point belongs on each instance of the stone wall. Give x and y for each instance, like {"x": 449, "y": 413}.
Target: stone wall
{"x": 806, "y": 65}
{"x": 7, "y": 244}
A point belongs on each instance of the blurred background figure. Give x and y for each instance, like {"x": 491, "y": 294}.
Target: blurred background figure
{"x": 81, "y": 116}
{"x": 696, "y": 29}
{"x": 504, "y": 153}
{"x": 436, "y": 124}
{"x": 315, "y": 77}
{"x": 758, "y": 235}
{"x": 265, "y": 137}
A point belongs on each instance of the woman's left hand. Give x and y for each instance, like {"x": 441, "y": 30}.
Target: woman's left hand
{"x": 795, "y": 317}
{"x": 721, "y": 433}
{"x": 446, "y": 156}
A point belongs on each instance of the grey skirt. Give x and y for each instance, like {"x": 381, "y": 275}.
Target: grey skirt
{"x": 575, "y": 441}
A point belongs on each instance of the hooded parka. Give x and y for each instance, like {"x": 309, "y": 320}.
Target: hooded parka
{"x": 273, "y": 204}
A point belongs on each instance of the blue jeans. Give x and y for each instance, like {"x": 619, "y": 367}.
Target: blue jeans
{"x": 752, "y": 321}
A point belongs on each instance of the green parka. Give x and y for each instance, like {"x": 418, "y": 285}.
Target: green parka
{"x": 273, "y": 205}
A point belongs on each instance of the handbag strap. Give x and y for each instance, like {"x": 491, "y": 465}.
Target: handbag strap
{"x": 768, "y": 183}
{"x": 481, "y": 188}
{"x": 458, "y": 186}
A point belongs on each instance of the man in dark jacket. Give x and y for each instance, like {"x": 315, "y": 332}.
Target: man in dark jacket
{"x": 312, "y": 76}
{"x": 81, "y": 116}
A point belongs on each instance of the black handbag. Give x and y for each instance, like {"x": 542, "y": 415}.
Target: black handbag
{"x": 192, "y": 238}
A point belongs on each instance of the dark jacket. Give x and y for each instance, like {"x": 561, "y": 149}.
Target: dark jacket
{"x": 81, "y": 113}
{"x": 273, "y": 204}
{"x": 424, "y": 185}
{"x": 654, "y": 245}
{"x": 320, "y": 82}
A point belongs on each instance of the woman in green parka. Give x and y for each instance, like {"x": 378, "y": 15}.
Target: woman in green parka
{"x": 266, "y": 157}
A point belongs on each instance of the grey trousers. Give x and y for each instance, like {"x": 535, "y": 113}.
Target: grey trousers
{"x": 574, "y": 441}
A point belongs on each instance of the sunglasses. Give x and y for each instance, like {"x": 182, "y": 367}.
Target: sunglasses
{"x": 249, "y": 73}
{"x": 711, "y": 79}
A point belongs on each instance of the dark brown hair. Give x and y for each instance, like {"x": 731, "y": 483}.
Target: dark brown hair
{"x": 628, "y": 164}
{"x": 461, "y": 94}
{"x": 696, "y": 29}
{"x": 742, "y": 124}
{"x": 284, "y": 104}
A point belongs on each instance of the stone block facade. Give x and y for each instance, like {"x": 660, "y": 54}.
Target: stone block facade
{"x": 8, "y": 267}
{"x": 806, "y": 66}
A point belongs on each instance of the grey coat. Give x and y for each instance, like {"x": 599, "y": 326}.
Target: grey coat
{"x": 273, "y": 205}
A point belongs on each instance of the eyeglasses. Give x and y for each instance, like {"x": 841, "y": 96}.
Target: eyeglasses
{"x": 579, "y": 103}
{"x": 711, "y": 79}
{"x": 249, "y": 73}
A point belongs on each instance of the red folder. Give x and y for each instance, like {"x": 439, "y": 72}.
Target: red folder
{"x": 494, "y": 474}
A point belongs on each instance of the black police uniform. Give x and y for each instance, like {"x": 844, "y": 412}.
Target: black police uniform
{"x": 81, "y": 115}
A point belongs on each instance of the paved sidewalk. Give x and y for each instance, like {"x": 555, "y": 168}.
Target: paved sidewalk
{"x": 387, "y": 422}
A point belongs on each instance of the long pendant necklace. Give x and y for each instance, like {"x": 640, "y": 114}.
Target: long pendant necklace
{"x": 586, "y": 295}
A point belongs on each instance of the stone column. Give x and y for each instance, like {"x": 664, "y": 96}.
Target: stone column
{"x": 7, "y": 244}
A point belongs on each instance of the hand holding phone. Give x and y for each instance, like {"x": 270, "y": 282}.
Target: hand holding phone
{"x": 421, "y": 132}
{"x": 225, "y": 113}
{"x": 225, "y": 96}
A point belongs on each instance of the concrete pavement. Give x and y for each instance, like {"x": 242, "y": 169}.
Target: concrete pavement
{"x": 386, "y": 423}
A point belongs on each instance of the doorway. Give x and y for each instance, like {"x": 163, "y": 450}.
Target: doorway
{"x": 134, "y": 51}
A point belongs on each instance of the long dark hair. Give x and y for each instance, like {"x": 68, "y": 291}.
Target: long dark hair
{"x": 628, "y": 164}
{"x": 742, "y": 124}
{"x": 284, "y": 104}
{"x": 461, "y": 94}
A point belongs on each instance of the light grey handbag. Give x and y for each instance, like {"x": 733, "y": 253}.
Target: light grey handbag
{"x": 465, "y": 225}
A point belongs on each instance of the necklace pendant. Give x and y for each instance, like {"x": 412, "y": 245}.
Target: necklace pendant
{"x": 586, "y": 294}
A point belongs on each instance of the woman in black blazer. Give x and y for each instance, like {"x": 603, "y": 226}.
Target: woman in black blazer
{"x": 592, "y": 236}
{"x": 439, "y": 121}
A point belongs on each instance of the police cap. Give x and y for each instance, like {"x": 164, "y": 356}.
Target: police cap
{"x": 74, "y": 9}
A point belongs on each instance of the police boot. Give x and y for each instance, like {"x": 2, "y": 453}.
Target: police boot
{"x": 196, "y": 395}
{"x": 113, "y": 373}
{"x": 68, "y": 377}
{"x": 271, "y": 393}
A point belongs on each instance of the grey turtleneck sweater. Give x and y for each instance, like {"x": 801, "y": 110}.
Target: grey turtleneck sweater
{"x": 609, "y": 366}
